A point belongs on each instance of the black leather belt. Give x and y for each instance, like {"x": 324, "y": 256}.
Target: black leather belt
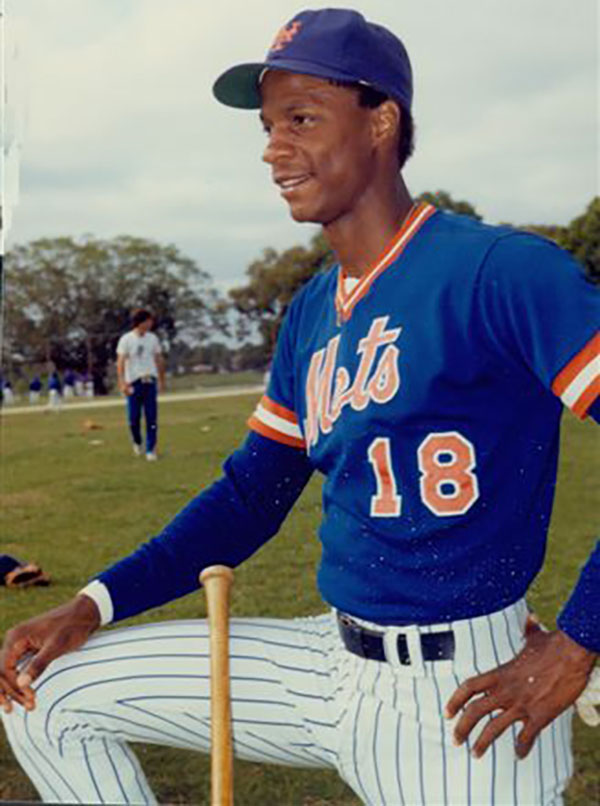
{"x": 369, "y": 643}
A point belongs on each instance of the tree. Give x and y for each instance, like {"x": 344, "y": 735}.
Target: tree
{"x": 581, "y": 237}
{"x": 274, "y": 279}
{"x": 67, "y": 301}
{"x": 444, "y": 201}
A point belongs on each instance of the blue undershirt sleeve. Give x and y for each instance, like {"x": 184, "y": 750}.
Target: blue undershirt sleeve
{"x": 225, "y": 523}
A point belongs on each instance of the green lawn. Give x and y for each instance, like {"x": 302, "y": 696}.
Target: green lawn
{"x": 75, "y": 500}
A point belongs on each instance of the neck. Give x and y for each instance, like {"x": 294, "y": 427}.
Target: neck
{"x": 359, "y": 238}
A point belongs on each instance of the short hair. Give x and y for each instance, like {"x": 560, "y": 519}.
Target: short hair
{"x": 371, "y": 98}
{"x": 139, "y": 315}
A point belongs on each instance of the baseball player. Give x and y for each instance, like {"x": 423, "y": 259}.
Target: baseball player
{"x": 139, "y": 365}
{"x": 424, "y": 376}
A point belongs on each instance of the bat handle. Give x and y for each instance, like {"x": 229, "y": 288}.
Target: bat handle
{"x": 217, "y": 581}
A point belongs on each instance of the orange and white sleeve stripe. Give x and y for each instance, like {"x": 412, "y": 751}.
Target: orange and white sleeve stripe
{"x": 274, "y": 421}
{"x": 578, "y": 383}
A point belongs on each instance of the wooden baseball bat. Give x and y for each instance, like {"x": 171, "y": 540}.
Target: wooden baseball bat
{"x": 217, "y": 581}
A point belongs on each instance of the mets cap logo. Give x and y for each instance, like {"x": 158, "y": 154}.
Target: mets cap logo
{"x": 285, "y": 35}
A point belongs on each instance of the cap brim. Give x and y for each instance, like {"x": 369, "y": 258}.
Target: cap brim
{"x": 240, "y": 85}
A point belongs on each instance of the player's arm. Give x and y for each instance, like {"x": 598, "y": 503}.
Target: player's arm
{"x": 541, "y": 312}
{"x": 159, "y": 360}
{"x": 122, "y": 383}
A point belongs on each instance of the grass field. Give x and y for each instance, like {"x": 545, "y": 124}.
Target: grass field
{"x": 75, "y": 500}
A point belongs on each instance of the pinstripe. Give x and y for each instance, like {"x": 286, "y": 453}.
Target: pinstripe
{"x": 513, "y": 727}
{"x": 398, "y": 757}
{"x": 243, "y": 721}
{"x": 539, "y": 742}
{"x": 312, "y": 721}
{"x": 442, "y": 733}
{"x": 156, "y": 716}
{"x": 477, "y": 671}
{"x": 238, "y": 742}
{"x": 312, "y": 744}
{"x": 565, "y": 755}
{"x": 376, "y": 678}
{"x": 286, "y": 666}
{"x": 554, "y": 759}
{"x": 205, "y": 698}
{"x": 90, "y": 771}
{"x": 374, "y": 749}
{"x": 419, "y": 739}
{"x": 137, "y": 772}
{"x": 467, "y": 754}
{"x": 281, "y": 645}
{"x": 354, "y": 748}
{"x": 116, "y": 772}
{"x": 307, "y": 695}
{"x": 493, "y": 746}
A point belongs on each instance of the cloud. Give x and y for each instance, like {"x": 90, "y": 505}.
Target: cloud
{"x": 121, "y": 133}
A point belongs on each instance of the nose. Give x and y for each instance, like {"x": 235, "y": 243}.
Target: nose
{"x": 278, "y": 146}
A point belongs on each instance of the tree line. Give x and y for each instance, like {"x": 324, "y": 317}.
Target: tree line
{"x": 67, "y": 300}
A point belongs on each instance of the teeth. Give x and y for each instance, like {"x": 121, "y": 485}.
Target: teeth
{"x": 287, "y": 184}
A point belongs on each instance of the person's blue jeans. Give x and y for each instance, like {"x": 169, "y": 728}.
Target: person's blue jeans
{"x": 143, "y": 398}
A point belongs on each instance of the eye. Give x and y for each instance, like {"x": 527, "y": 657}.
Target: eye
{"x": 301, "y": 119}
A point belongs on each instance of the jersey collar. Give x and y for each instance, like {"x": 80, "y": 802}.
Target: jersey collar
{"x": 345, "y": 302}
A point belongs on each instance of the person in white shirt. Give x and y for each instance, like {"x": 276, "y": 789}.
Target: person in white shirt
{"x": 140, "y": 369}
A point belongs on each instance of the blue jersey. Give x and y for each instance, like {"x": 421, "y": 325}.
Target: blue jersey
{"x": 429, "y": 395}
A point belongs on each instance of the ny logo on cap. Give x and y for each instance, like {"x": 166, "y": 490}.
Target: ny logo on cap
{"x": 285, "y": 35}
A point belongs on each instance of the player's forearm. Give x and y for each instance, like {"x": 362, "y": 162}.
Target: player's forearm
{"x": 225, "y": 524}
{"x": 580, "y": 618}
{"x": 120, "y": 372}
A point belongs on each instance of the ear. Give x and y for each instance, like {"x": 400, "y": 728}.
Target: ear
{"x": 386, "y": 123}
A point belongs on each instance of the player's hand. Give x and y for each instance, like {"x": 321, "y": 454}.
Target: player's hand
{"x": 126, "y": 389}
{"x": 544, "y": 679}
{"x": 29, "y": 647}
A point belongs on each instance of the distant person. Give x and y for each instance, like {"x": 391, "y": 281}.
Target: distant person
{"x": 35, "y": 387}
{"x": 8, "y": 397}
{"x": 88, "y": 385}
{"x": 68, "y": 384}
{"x": 79, "y": 385}
{"x": 54, "y": 391}
{"x": 140, "y": 369}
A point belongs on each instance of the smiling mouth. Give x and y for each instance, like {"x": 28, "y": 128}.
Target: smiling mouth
{"x": 292, "y": 183}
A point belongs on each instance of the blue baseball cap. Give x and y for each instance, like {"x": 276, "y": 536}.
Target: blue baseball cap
{"x": 332, "y": 43}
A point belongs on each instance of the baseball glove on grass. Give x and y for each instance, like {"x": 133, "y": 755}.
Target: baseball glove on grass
{"x": 17, "y": 574}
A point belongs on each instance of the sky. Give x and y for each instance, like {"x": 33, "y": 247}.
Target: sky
{"x": 109, "y": 108}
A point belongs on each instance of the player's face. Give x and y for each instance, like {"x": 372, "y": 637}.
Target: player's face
{"x": 319, "y": 145}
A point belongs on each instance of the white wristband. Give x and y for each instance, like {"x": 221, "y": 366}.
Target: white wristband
{"x": 98, "y": 592}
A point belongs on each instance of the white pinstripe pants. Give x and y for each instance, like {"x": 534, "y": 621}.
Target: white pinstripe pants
{"x": 299, "y": 698}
